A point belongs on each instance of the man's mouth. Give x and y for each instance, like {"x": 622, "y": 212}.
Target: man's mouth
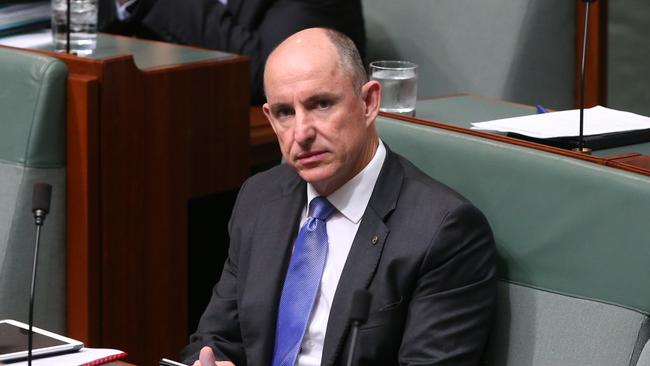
{"x": 311, "y": 157}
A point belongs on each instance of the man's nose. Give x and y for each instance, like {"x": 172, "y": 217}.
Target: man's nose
{"x": 305, "y": 131}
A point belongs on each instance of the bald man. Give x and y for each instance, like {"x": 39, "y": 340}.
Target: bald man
{"x": 424, "y": 252}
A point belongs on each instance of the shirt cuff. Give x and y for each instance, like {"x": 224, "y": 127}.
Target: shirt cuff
{"x": 124, "y": 10}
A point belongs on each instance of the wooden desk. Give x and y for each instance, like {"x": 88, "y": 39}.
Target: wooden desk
{"x": 150, "y": 125}
{"x": 457, "y": 112}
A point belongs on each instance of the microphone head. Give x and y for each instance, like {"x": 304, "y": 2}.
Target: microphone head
{"x": 360, "y": 306}
{"x": 41, "y": 197}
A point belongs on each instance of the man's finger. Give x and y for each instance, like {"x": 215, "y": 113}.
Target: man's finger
{"x": 207, "y": 357}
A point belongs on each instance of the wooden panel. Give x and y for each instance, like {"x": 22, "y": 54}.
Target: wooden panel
{"x": 82, "y": 225}
{"x": 632, "y": 162}
{"x": 168, "y": 136}
{"x": 596, "y": 66}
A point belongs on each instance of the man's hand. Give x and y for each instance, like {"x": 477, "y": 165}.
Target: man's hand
{"x": 206, "y": 358}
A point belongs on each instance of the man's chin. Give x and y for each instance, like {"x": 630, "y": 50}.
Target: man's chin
{"x": 316, "y": 175}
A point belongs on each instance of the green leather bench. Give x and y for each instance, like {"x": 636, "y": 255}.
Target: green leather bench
{"x": 32, "y": 149}
{"x": 573, "y": 241}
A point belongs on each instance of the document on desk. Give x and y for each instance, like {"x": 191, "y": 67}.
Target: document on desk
{"x": 597, "y": 120}
{"x": 34, "y": 39}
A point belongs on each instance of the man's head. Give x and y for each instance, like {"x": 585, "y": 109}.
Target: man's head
{"x": 321, "y": 107}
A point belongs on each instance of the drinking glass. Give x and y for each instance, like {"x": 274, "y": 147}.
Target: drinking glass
{"x": 399, "y": 81}
{"x": 83, "y": 26}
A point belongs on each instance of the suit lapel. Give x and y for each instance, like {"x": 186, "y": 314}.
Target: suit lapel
{"x": 364, "y": 255}
{"x": 273, "y": 241}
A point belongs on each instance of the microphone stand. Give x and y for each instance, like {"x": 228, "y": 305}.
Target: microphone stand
{"x": 581, "y": 139}
{"x": 67, "y": 20}
{"x": 40, "y": 207}
{"x": 31, "y": 293}
{"x": 358, "y": 315}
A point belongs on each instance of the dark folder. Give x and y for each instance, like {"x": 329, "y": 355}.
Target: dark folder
{"x": 594, "y": 142}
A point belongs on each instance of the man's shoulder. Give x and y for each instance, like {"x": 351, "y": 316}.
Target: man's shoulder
{"x": 272, "y": 182}
{"x": 422, "y": 193}
{"x": 427, "y": 201}
{"x": 419, "y": 182}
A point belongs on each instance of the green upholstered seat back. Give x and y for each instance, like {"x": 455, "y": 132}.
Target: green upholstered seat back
{"x": 32, "y": 149}
{"x": 572, "y": 240}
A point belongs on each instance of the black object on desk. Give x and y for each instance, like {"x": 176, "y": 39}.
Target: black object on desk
{"x": 594, "y": 142}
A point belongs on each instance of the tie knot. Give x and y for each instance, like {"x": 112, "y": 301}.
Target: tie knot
{"x": 321, "y": 208}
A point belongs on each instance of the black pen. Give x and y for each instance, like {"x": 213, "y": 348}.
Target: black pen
{"x": 168, "y": 362}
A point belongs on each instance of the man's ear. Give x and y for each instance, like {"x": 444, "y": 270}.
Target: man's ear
{"x": 267, "y": 112}
{"x": 371, "y": 94}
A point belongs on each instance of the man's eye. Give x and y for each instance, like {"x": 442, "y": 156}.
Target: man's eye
{"x": 283, "y": 112}
{"x": 323, "y": 104}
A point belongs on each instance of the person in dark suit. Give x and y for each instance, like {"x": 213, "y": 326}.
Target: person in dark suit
{"x": 249, "y": 27}
{"x": 424, "y": 252}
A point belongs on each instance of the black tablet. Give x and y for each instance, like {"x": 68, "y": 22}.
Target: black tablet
{"x": 13, "y": 342}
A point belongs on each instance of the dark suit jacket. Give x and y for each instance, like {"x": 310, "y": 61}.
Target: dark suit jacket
{"x": 249, "y": 27}
{"x": 431, "y": 273}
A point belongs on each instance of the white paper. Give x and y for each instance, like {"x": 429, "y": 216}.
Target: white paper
{"x": 597, "y": 120}
{"x": 28, "y": 40}
{"x": 84, "y": 355}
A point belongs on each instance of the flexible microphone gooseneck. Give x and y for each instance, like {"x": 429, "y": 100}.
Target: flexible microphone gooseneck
{"x": 68, "y": 25}
{"x": 359, "y": 315}
{"x": 40, "y": 207}
{"x": 581, "y": 138}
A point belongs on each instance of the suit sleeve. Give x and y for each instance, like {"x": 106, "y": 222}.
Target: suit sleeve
{"x": 219, "y": 324}
{"x": 209, "y": 24}
{"x": 451, "y": 310}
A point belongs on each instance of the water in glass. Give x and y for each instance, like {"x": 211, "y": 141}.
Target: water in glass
{"x": 398, "y": 91}
{"x": 83, "y": 25}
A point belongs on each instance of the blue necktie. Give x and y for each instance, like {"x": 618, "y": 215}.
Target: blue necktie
{"x": 301, "y": 283}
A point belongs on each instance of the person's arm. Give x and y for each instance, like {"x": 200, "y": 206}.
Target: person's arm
{"x": 219, "y": 327}
{"x": 453, "y": 303}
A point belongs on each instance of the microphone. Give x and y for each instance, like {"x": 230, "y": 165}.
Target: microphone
{"x": 41, "y": 202}
{"x": 358, "y": 315}
{"x": 40, "y": 207}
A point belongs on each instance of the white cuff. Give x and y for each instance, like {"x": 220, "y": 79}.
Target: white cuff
{"x": 122, "y": 11}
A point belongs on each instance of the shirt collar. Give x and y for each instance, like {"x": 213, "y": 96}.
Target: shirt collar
{"x": 352, "y": 198}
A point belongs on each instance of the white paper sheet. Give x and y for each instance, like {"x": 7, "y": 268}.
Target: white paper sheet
{"x": 597, "y": 120}
{"x": 28, "y": 40}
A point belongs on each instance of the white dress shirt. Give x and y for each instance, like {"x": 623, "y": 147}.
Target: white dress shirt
{"x": 350, "y": 201}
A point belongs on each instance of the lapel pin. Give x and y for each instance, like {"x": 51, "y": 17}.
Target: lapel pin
{"x": 374, "y": 240}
